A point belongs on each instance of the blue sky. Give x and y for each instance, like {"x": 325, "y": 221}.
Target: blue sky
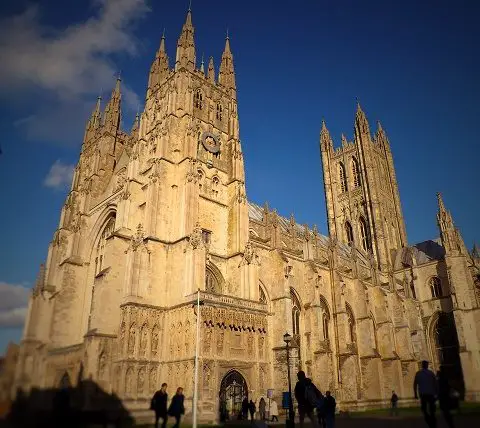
{"x": 413, "y": 65}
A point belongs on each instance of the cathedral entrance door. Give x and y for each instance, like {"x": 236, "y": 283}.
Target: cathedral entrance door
{"x": 233, "y": 390}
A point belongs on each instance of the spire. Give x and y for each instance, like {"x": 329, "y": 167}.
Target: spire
{"x": 186, "y": 45}
{"x": 211, "y": 71}
{"x": 361, "y": 122}
{"x": 160, "y": 67}
{"x": 325, "y": 139}
{"x": 112, "y": 109}
{"x": 226, "y": 76}
{"x": 202, "y": 67}
{"x": 136, "y": 123}
{"x": 449, "y": 234}
{"x": 95, "y": 120}
{"x": 344, "y": 140}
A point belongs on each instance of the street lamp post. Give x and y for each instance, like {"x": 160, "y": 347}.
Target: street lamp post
{"x": 287, "y": 338}
{"x": 197, "y": 351}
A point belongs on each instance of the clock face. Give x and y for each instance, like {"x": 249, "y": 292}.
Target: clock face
{"x": 210, "y": 142}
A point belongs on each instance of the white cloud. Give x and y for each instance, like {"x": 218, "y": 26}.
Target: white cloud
{"x": 71, "y": 66}
{"x": 59, "y": 176}
{"x": 13, "y": 304}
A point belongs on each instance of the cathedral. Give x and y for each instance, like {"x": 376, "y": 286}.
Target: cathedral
{"x": 159, "y": 215}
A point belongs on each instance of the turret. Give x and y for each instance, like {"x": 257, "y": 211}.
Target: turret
{"x": 449, "y": 234}
{"x": 95, "y": 120}
{"x": 112, "y": 114}
{"x": 159, "y": 69}
{"x": 226, "y": 76}
{"x": 186, "y": 46}
{"x": 211, "y": 71}
{"x": 362, "y": 128}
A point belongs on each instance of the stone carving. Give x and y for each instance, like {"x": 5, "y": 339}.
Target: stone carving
{"x": 153, "y": 380}
{"x": 261, "y": 379}
{"x": 121, "y": 179}
{"x": 129, "y": 382}
{"x": 155, "y": 339}
{"x": 102, "y": 365}
{"x": 207, "y": 376}
{"x": 187, "y": 338}
{"x": 220, "y": 339}
{"x": 141, "y": 381}
{"x": 138, "y": 240}
{"x": 207, "y": 339}
{"x": 131, "y": 339}
{"x": 250, "y": 344}
{"x": 261, "y": 346}
{"x": 144, "y": 340}
{"x": 249, "y": 255}
{"x": 195, "y": 237}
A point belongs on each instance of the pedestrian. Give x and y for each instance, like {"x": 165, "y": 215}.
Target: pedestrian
{"x": 306, "y": 394}
{"x": 394, "y": 404}
{"x": 244, "y": 408}
{"x": 252, "y": 409}
{"x": 444, "y": 397}
{"x": 273, "y": 411}
{"x": 261, "y": 408}
{"x": 177, "y": 409}
{"x": 329, "y": 410}
{"x": 159, "y": 405}
{"x": 425, "y": 385}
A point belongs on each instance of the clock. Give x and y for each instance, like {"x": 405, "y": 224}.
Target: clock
{"x": 210, "y": 142}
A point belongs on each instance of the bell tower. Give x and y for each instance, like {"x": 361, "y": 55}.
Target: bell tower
{"x": 361, "y": 191}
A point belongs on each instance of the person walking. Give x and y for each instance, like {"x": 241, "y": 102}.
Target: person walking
{"x": 159, "y": 405}
{"x": 444, "y": 397}
{"x": 261, "y": 408}
{"x": 244, "y": 408}
{"x": 252, "y": 409}
{"x": 329, "y": 410}
{"x": 305, "y": 394}
{"x": 425, "y": 385}
{"x": 394, "y": 404}
{"x": 273, "y": 411}
{"x": 177, "y": 408}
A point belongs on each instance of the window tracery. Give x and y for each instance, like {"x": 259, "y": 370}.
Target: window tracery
{"x": 219, "y": 111}
{"x": 212, "y": 283}
{"x": 364, "y": 234}
{"x": 355, "y": 173}
{"x": 262, "y": 296}
{"x": 198, "y": 99}
{"x": 343, "y": 177}
{"x": 436, "y": 287}
{"x": 296, "y": 308}
{"x": 349, "y": 232}
{"x": 351, "y": 324}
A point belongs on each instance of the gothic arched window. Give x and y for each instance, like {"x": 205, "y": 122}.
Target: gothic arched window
{"x": 198, "y": 99}
{"x": 325, "y": 318}
{"x": 295, "y": 313}
{"x": 355, "y": 173}
{"x": 436, "y": 287}
{"x": 100, "y": 250}
{"x": 349, "y": 232}
{"x": 351, "y": 324}
{"x": 219, "y": 111}
{"x": 211, "y": 282}
{"x": 364, "y": 234}
{"x": 343, "y": 177}
{"x": 262, "y": 297}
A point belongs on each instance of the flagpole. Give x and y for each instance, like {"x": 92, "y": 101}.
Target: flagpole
{"x": 197, "y": 343}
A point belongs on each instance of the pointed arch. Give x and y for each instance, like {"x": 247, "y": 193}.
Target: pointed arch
{"x": 343, "y": 177}
{"x": 435, "y": 287}
{"x": 364, "y": 234}
{"x": 198, "y": 99}
{"x": 214, "y": 282}
{"x": 355, "y": 172}
{"x": 351, "y": 324}
{"x": 373, "y": 333}
{"x": 296, "y": 310}
{"x": 325, "y": 314}
{"x": 262, "y": 294}
{"x": 349, "y": 232}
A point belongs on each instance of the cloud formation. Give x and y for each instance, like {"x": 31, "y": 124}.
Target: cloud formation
{"x": 13, "y": 304}
{"x": 59, "y": 176}
{"x": 63, "y": 64}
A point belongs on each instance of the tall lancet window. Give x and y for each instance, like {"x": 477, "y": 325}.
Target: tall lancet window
{"x": 351, "y": 325}
{"x": 355, "y": 173}
{"x": 295, "y": 313}
{"x": 349, "y": 232}
{"x": 100, "y": 250}
{"x": 219, "y": 111}
{"x": 343, "y": 177}
{"x": 198, "y": 99}
{"x": 364, "y": 234}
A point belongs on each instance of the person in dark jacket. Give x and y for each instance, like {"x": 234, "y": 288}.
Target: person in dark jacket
{"x": 177, "y": 409}
{"x": 245, "y": 408}
{"x": 394, "y": 404}
{"x": 305, "y": 408}
{"x": 262, "y": 407}
{"x": 159, "y": 405}
{"x": 330, "y": 405}
{"x": 252, "y": 409}
{"x": 444, "y": 396}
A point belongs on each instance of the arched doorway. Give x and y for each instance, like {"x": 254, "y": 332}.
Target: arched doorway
{"x": 233, "y": 389}
{"x": 445, "y": 349}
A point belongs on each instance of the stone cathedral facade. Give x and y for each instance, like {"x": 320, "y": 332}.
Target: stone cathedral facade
{"x": 157, "y": 213}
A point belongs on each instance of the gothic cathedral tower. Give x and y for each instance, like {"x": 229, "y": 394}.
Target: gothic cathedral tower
{"x": 361, "y": 191}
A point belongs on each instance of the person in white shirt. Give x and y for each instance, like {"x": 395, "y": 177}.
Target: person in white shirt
{"x": 425, "y": 385}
